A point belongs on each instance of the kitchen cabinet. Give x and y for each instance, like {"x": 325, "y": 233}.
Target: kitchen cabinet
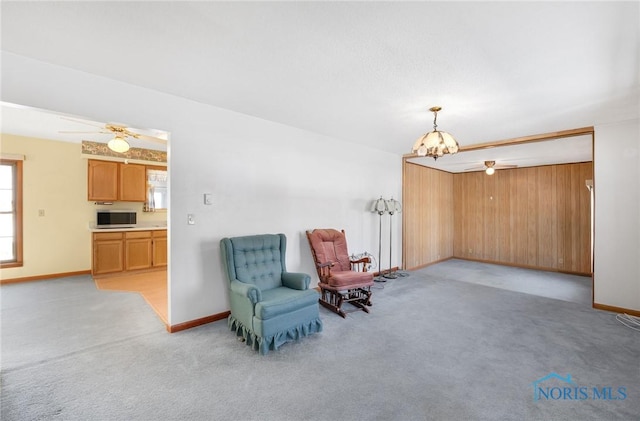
{"x": 110, "y": 181}
{"x": 137, "y": 250}
{"x": 108, "y": 253}
{"x": 133, "y": 183}
{"x": 124, "y": 251}
{"x": 103, "y": 181}
{"x": 159, "y": 248}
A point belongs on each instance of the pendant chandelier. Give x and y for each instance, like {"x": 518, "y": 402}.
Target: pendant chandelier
{"x": 435, "y": 143}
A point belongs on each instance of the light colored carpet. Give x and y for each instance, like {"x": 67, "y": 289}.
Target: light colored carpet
{"x": 431, "y": 349}
{"x": 561, "y": 286}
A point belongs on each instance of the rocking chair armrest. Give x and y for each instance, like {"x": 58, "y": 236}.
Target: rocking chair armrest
{"x": 365, "y": 259}
{"x": 249, "y": 291}
{"x": 295, "y": 280}
{"x": 324, "y": 270}
{"x": 355, "y": 263}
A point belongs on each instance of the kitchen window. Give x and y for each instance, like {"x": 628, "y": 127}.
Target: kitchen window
{"x": 10, "y": 213}
{"x": 156, "y": 189}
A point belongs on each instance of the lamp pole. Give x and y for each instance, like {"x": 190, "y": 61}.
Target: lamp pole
{"x": 380, "y": 206}
{"x": 392, "y": 207}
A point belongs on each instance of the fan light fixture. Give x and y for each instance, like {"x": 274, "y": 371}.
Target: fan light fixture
{"x": 118, "y": 144}
{"x": 435, "y": 143}
{"x": 489, "y": 164}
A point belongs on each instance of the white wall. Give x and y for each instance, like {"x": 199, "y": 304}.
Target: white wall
{"x": 265, "y": 177}
{"x": 617, "y": 215}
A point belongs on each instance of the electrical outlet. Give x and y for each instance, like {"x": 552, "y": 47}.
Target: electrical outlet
{"x": 470, "y": 251}
{"x": 561, "y": 260}
{"x": 191, "y": 219}
{"x": 40, "y": 212}
{"x": 208, "y": 199}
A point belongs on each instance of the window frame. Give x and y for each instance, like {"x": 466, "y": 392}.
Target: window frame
{"x": 17, "y": 210}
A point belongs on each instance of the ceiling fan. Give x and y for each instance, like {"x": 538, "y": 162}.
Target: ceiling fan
{"x": 490, "y": 167}
{"x": 120, "y": 134}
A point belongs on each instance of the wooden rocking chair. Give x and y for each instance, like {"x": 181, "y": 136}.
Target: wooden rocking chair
{"x": 342, "y": 280}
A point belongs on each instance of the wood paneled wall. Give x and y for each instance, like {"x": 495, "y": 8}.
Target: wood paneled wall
{"x": 427, "y": 228}
{"x": 534, "y": 217}
{"x": 537, "y": 217}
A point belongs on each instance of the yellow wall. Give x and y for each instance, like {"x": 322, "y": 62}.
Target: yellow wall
{"x": 55, "y": 180}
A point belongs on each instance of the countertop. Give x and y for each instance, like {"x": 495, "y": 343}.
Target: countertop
{"x": 143, "y": 226}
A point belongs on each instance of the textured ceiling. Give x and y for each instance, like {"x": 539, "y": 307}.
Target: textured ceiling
{"x": 364, "y": 72}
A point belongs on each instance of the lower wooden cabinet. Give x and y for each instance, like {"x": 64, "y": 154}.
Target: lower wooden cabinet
{"x": 108, "y": 253}
{"x": 159, "y": 248}
{"x": 124, "y": 251}
{"x": 137, "y": 250}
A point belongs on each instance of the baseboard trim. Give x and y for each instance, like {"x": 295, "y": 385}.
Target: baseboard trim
{"x": 431, "y": 263}
{"x": 128, "y": 272}
{"x": 44, "y": 277}
{"x": 393, "y": 269}
{"x": 517, "y": 265}
{"x": 615, "y": 309}
{"x": 197, "y": 322}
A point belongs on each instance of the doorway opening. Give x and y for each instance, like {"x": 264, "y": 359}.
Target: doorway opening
{"x": 58, "y": 148}
{"x": 533, "y": 213}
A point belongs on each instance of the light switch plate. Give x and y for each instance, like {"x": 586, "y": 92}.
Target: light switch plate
{"x": 208, "y": 199}
{"x": 191, "y": 219}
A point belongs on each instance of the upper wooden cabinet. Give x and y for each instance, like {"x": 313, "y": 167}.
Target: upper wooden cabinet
{"x": 115, "y": 181}
{"x": 103, "y": 181}
{"x": 133, "y": 183}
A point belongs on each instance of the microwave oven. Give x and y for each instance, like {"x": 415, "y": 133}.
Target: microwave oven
{"x": 115, "y": 218}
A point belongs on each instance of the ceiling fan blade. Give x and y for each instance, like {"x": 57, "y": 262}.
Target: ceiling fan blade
{"x": 88, "y": 123}
{"x": 75, "y": 132}
{"x": 150, "y": 138}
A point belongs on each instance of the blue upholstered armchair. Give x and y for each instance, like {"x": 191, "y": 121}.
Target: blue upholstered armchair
{"x": 269, "y": 306}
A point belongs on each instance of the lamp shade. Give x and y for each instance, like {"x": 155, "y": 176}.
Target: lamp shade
{"x": 435, "y": 143}
{"x": 379, "y": 206}
{"x": 393, "y": 206}
{"x": 118, "y": 144}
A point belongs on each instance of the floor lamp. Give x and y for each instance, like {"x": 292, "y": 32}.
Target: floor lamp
{"x": 379, "y": 206}
{"x": 393, "y": 206}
